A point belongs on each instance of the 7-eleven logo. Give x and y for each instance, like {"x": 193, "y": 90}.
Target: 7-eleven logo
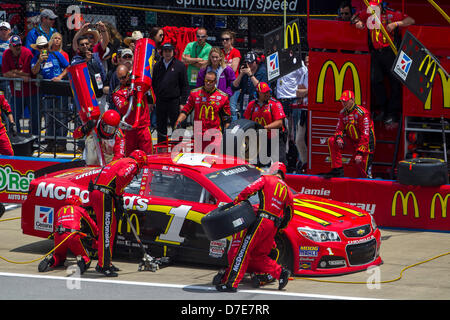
{"x": 43, "y": 218}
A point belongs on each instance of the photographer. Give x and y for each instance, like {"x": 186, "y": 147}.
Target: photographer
{"x": 250, "y": 75}
{"x": 95, "y": 67}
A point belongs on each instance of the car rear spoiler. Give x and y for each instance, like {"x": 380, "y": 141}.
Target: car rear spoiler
{"x": 59, "y": 166}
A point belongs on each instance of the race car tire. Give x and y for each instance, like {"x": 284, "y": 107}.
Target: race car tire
{"x": 228, "y": 220}
{"x": 235, "y": 141}
{"x": 285, "y": 256}
{"x": 423, "y": 172}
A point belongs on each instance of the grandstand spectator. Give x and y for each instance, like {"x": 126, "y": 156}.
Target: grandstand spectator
{"x": 171, "y": 89}
{"x": 345, "y": 11}
{"x": 232, "y": 59}
{"x": 16, "y": 64}
{"x": 225, "y": 75}
{"x": 195, "y": 55}
{"x": 115, "y": 42}
{"x": 98, "y": 37}
{"x": 250, "y": 75}
{"x": 45, "y": 28}
{"x": 55, "y": 44}
{"x": 131, "y": 41}
{"x": 157, "y": 35}
{"x": 51, "y": 65}
{"x": 5, "y": 34}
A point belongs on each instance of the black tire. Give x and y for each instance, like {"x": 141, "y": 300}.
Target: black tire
{"x": 228, "y": 220}
{"x": 285, "y": 255}
{"x": 235, "y": 140}
{"x": 423, "y": 172}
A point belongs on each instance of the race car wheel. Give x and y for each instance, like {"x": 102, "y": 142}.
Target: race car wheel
{"x": 285, "y": 255}
{"x": 238, "y": 137}
{"x": 228, "y": 220}
{"x": 423, "y": 172}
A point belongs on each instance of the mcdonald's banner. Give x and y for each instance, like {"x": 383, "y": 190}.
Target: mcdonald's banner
{"x": 415, "y": 66}
{"x": 16, "y": 174}
{"x": 331, "y": 73}
{"x": 282, "y": 48}
{"x": 391, "y": 203}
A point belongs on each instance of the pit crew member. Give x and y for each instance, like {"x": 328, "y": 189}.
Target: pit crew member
{"x": 5, "y": 144}
{"x": 110, "y": 138}
{"x": 139, "y": 138}
{"x": 67, "y": 221}
{"x": 105, "y": 197}
{"x": 354, "y": 133}
{"x": 274, "y": 213}
{"x": 212, "y": 107}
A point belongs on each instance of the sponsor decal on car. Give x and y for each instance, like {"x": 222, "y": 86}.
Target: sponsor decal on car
{"x": 43, "y": 218}
{"x": 309, "y": 251}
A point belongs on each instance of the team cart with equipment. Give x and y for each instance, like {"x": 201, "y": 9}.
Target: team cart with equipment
{"x": 169, "y": 198}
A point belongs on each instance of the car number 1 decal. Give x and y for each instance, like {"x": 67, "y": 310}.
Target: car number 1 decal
{"x": 172, "y": 232}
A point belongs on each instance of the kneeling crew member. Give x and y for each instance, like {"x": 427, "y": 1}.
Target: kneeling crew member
{"x": 274, "y": 213}
{"x": 68, "y": 220}
{"x": 354, "y": 133}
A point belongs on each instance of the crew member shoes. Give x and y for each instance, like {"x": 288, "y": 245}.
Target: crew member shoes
{"x": 46, "y": 263}
{"x": 334, "y": 173}
{"x": 107, "y": 271}
{"x": 284, "y": 278}
{"x": 225, "y": 288}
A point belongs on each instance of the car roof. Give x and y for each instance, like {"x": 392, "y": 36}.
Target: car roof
{"x": 200, "y": 162}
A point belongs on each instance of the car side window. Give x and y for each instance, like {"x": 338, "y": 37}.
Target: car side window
{"x": 175, "y": 186}
{"x": 135, "y": 184}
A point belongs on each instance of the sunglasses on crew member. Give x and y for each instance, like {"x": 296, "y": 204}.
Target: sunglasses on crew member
{"x": 210, "y": 81}
{"x": 123, "y": 77}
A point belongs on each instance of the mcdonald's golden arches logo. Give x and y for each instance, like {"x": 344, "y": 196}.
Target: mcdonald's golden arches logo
{"x": 445, "y": 91}
{"x": 280, "y": 191}
{"x": 261, "y": 121}
{"x": 209, "y": 110}
{"x": 136, "y": 224}
{"x": 339, "y": 77}
{"x": 290, "y": 31}
{"x": 431, "y": 66}
{"x": 443, "y": 201}
{"x": 405, "y": 201}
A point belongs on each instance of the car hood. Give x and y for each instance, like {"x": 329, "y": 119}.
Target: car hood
{"x": 317, "y": 212}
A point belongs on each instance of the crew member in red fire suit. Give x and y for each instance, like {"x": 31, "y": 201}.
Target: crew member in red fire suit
{"x": 275, "y": 212}
{"x": 212, "y": 107}
{"x": 5, "y": 144}
{"x": 67, "y": 221}
{"x": 109, "y": 136}
{"x": 269, "y": 113}
{"x": 139, "y": 138}
{"x": 105, "y": 196}
{"x": 354, "y": 133}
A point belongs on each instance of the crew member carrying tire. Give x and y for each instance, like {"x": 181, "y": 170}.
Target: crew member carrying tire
{"x": 105, "y": 195}
{"x": 67, "y": 221}
{"x": 274, "y": 213}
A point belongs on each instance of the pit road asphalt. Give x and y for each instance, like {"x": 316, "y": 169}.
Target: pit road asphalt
{"x": 399, "y": 249}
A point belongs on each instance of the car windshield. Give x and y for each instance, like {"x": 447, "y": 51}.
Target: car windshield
{"x": 233, "y": 180}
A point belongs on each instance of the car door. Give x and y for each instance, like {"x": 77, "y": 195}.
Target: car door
{"x": 166, "y": 207}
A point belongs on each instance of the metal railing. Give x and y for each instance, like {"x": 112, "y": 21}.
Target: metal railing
{"x": 44, "y": 109}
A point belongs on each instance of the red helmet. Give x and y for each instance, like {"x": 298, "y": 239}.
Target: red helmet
{"x": 108, "y": 124}
{"x": 73, "y": 199}
{"x": 347, "y": 95}
{"x": 140, "y": 157}
{"x": 278, "y": 167}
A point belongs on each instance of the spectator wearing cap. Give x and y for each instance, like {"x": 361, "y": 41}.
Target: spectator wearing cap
{"x": 52, "y": 65}
{"x": 195, "y": 55}
{"x": 268, "y": 112}
{"x": 354, "y": 134}
{"x": 225, "y": 75}
{"x": 130, "y": 42}
{"x": 16, "y": 64}
{"x": 45, "y": 28}
{"x": 98, "y": 37}
{"x": 171, "y": 88}
{"x": 5, "y": 34}
{"x": 250, "y": 75}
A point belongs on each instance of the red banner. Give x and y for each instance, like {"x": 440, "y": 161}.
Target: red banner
{"x": 391, "y": 203}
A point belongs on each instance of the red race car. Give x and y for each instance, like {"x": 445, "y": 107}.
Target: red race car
{"x": 169, "y": 198}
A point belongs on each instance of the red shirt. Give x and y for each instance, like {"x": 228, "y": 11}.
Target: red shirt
{"x": 5, "y": 107}
{"x": 358, "y": 126}
{"x": 210, "y": 108}
{"x": 266, "y": 114}
{"x": 379, "y": 41}
{"x": 120, "y": 98}
{"x": 234, "y": 53}
{"x": 70, "y": 217}
{"x": 22, "y": 63}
